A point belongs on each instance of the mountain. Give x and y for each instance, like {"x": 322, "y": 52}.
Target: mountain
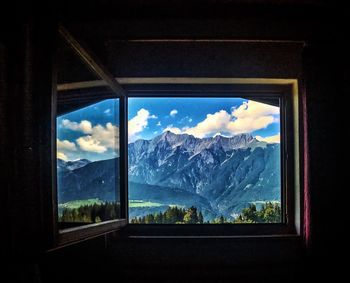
{"x": 94, "y": 180}
{"x": 229, "y": 172}
{"x": 182, "y": 160}
{"x": 71, "y": 165}
{"x": 188, "y": 143}
{"x": 219, "y": 175}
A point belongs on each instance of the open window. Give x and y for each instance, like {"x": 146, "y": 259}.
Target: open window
{"x": 89, "y": 172}
{"x": 217, "y": 154}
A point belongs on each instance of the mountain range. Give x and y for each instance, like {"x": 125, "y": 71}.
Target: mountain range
{"x": 220, "y": 175}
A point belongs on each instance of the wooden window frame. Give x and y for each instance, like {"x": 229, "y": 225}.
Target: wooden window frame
{"x": 285, "y": 89}
{"x": 70, "y": 235}
{"x": 287, "y": 92}
{"x": 109, "y": 87}
{"x": 76, "y": 233}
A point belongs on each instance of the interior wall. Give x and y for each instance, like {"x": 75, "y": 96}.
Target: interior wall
{"x": 28, "y": 112}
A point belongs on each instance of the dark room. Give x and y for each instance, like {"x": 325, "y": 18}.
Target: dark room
{"x": 171, "y": 141}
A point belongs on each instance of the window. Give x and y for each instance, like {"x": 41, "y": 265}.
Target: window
{"x": 271, "y": 207}
{"x": 197, "y": 154}
{"x": 204, "y": 160}
{"x": 88, "y": 198}
{"x": 138, "y": 152}
{"x": 88, "y": 181}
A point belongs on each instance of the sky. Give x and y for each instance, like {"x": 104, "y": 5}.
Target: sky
{"x": 93, "y": 132}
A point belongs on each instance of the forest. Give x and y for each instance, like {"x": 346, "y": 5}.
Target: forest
{"x": 268, "y": 213}
{"x": 93, "y": 213}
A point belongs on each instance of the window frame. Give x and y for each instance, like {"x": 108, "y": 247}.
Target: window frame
{"x": 122, "y": 88}
{"x": 287, "y": 92}
{"x": 286, "y": 89}
{"x": 62, "y": 237}
{"x": 85, "y": 231}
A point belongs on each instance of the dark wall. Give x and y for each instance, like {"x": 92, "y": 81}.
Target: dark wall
{"x": 324, "y": 71}
{"x": 27, "y": 133}
{"x": 25, "y": 104}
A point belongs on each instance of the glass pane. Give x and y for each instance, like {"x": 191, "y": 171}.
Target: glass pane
{"x": 77, "y": 84}
{"x": 88, "y": 164}
{"x": 204, "y": 160}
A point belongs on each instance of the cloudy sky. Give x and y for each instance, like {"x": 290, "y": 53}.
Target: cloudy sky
{"x": 93, "y": 132}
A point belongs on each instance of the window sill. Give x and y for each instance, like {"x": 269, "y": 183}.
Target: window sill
{"x": 75, "y": 234}
{"x": 285, "y": 236}
{"x": 204, "y": 250}
{"x": 207, "y": 231}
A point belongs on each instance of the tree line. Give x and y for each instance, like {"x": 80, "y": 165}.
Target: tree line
{"x": 91, "y": 213}
{"x": 173, "y": 215}
{"x": 268, "y": 213}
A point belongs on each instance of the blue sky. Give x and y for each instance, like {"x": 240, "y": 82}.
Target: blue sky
{"x": 93, "y": 132}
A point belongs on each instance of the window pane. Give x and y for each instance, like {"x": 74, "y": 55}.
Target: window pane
{"x": 88, "y": 164}
{"x": 204, "y": 160}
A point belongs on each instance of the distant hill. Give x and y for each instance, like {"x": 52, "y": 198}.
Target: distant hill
{"x": 94, "y": 180}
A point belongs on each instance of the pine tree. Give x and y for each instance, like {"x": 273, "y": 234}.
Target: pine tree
{"x": 191, "y": 216}
{"x": 200, "y": 218}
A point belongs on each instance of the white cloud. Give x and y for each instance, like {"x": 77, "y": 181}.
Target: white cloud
{"x": 159, "y": 124}
{"x": 98, "y": 138}
{"x": 65, "y": 148}
{"x": 88, "y": 143}
{"x": 212, "y": 124}
{"x": 138, "y": 123}
{"x": 249, "y": 124}
{"x": 172, "y": 129}
{"x": 252, "y": 116}
{"x": 61, "y": 155}
{"x": 65, "y": 145}
{"x": 270, "y": 139}
{"x": 107, "y": 111}
{"x": 190, "y": 120}
{"x": 254, "y": 109}
{"x": 173, "y": 112}
{"x": 84, "y": 126}
{"x": 101, "y": 139}
{"x": 247, "y": 118}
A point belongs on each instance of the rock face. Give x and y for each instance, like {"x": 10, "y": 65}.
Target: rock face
{"x": 219, "y": 175}
{"x": 229, "y": 172}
